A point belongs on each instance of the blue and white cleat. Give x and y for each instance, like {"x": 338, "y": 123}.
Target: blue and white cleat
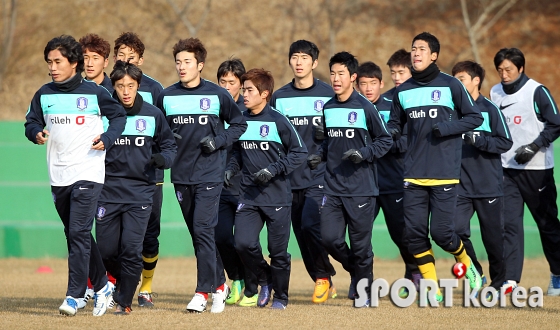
{"x": 102, "y": 298}
{"x": 69, "y": 307}
{"x": 264, "y": 295}
{"x": 554, "y": 285}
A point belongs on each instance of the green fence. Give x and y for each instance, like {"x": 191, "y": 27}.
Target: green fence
{"x": 31, "y": 228}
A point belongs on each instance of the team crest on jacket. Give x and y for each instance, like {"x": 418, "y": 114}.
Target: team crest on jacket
{"x": 101, "y": 212}
{"x": 318, "y": 105}
{"x": 264, "y": 130}
{"x": 204, "y": 103}
{"x": 352, "y": 117}
{"x": 436, "y": 95}
{"x": 140, "y": 125}
{"x": 81, "y": 103}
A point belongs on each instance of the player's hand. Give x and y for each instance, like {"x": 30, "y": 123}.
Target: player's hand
{"x": 525, "y": 153}
{"x": 42, "y": 137}
{"x": 395, "y": 134}
{"x": 469, "y": 138}
{"x": 175, "y": 134}
{"x": 435, "y": 131}
{"x": 319, "y": 132}
{"x": 354, "y": 155}
{"x": 262, "y": 176}
{"x": 157, "y": 161}
{"x": 208, "y": 145}
{"x": 227, "y": 178}
{"x": 98, "y": 144}
{"x": 313, "y": 161}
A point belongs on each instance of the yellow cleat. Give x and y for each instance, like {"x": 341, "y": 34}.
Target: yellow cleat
{"x": 321, "y": 293}
{"x": 249, "y": 301}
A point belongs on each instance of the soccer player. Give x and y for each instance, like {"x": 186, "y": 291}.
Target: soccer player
{"x": 96, "y": 58}
{"x": 302, "y": 102}
{"x": 266, "y": 153}
{"x": 355, "y": 137}
{"x": 481, "y": 185}
{"x": 198, "y": 109}
{"x": 369, "y": 83}
{"x": 534, "y": 122}
{"x": 229, "y": 77}
{"x": 436, "y": 109}
{"x": 125, "y": 203}
{"x": 129, "y": 47}
{"x": 401, "y": 67}
{"x": 71, "y": 108}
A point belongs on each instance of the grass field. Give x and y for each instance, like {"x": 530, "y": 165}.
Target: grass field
{"x": 30, "y": 300}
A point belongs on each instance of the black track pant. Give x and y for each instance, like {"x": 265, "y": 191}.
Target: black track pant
{"x": 151, "y": 243}
{"x": 76, "y": 205}
{"x": 249, "y": 222}
{"x": 306, "y": 224}
{"x": 536, "y": 189}
{"x": 489, "y": 212}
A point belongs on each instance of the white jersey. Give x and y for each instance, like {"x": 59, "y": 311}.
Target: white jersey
{"x": 524, "y": 126}
{"x": 73, "y": 124}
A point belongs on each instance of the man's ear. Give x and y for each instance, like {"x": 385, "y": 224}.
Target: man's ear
{"x": 141, "y": 60}
{"x": 314, "y": 65}
{"x": 264, "y": 94}
{"x": 353, "y": 77}
{"x": 200, "y": 66}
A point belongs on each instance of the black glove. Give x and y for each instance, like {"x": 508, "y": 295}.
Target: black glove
{"x": 313, "y": 161}
{"x": 208, "y": 145}
{"x": 469, "y": 138}
{"x": 395, "y": 134}
{"x": 525, "y": 153}
{"x": 319, "y": 132}
{"x": 175, "y": 134}
{"x": 354, "y": 155}
{"x": 157, "y": 161}
{"x": 262, "y": 176}
{"x": 227, "y": 177}
{"x": 435, "y": 131}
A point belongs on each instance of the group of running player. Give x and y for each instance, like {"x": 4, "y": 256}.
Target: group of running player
{"x": 323, "y": 158}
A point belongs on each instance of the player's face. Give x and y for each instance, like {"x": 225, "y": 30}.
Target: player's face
{"x": 94, "y": 65}
{"x": 421, "y": 55}
{"x": 370, "y": 88}
{"x": 471, "y": 84}
{"x": 232, "y": 84}
{"x": 126, "y": 53}
{"x": 59, "y": 67}
{"x": 188, "y": 69}
{"x": 508, "y": 71}
{"x": 251, "y": 96}
{"x": 341, "y": 80}
{"x": 302, "y": 65}
{"x": 400, "y": 74}
{"x": 126, "y": 89}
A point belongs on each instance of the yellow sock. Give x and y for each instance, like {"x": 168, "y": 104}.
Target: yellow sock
{"x": 461, "y": 256}
{"x": 148, "y": 273}
{"x": 426, "y": 265}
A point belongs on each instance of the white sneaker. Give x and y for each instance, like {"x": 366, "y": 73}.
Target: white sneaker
{"x": 69, "y": 306}
{"x": 102, "y": 298}
{"x": 82, "y": 302}
{"x": 219, "y": 300}
{"x": 509, "y": 286}
{"x": 197, "y": 304}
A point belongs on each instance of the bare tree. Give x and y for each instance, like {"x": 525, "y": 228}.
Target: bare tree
{"x": 9, "y": 10}
{"x": 182, "y": 14}
{"x": 492, "y": 12}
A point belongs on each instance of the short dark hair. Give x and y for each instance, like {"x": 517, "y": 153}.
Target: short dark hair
{"x": 233, "y": 65}
{"x": 432, "y": 41}
{"x": 96, "y": 44}
{"x": 69, "y": 48}
{"x": 306, "y": 47}
{"x": 369, "y": 70}
{"x": 514, "y": 55}
{"x": 262, "y": 79}
{"x": 132, "y": 40}
{"x": 191, "y": 45}
{"x": 122, "y": 69}
{"x": 346, "y": 59}
{"x": 472, "y": 68}
{"x": 400, "y": 58}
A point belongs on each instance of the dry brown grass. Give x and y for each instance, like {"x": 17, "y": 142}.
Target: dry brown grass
{"x": 29, "y": 300}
